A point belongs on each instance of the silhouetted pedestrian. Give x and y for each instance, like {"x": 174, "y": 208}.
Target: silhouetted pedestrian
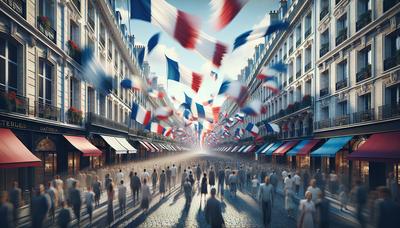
{"x": 213, "y": 212}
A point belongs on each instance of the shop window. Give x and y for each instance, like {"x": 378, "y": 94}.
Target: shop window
{"x": 45, "y": 82}
{"x": 9, "y": 65}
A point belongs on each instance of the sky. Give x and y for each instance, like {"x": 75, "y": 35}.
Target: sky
{"x": 253, "y": 15}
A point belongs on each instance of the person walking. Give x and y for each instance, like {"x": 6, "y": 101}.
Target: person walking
{"x": 307, "y": 211}
{"x": 145, "y": 175}
{"x": 297, "y": 182}
{"x": 168, "y": 174}
{"x": 135, "y": 187}
{"x": 191, "y": 178}
{"x": 315, "y": 191}
{"x": 40, "y": 207}
{"x": 266, "y": 198}
{"x": 173, "y": 175}
{"x": 323, "y": 210}
{"x": 154, "y": 178}
{"x": 187, "y": 187}
{"x": 198, "y": 173}
{"x": 221, "y": 182}
{"x": 89, "y": 200}
{"x": 387, "y": 210}
{"x": 254, "y": 185}
{"x": 227, "y": 174}
{"x": 107, "y": 181}
{"x": 96, "y": 187}
{"x": 211, "y": 177}
{"x": 146, "y": 196}
{"x": 15, "y": 195}
{"x": 274, "y": 180}
{"x": 76, "y": 201}
{"x": 110, "y": 206}
{"x": 6, "y": 212}
{"x": 59, "y": 185}
{"x": 242, "y": 177}
{"x": 183, "y": 178}
{"x": 203, "y": 187}
{"x": 361, "y": 201}
{"x": 120, "y": 176}
{"x": 64, "y": 217}
{"x": 162, "y": 184}
{"x": 289, "y": 202}
{"x": 52, "y": 196}
{"x": 122, "y": 197}
{"x": 213, "y": 212}
{"x": 233, "y": 183}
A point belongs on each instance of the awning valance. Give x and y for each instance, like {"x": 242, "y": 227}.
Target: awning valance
{"x": 145, "y": 145}
{"x": 281, "y": 151}
{"x": 152, "y": 149}
{"x": 303, "y": 148}
{"x": 267, "y": 148}
{"x": 384, "y": 147}
{"x": 83, "y": 145}
{"x": 331, "y": 147}
{"x": 13, "y": 153}
{"x": 113, "y": 143}
{"x": 126, "y": 144}
{"x": 273, "y": 148}
{"x": 262, "y": 148}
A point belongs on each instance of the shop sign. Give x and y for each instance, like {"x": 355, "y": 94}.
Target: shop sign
{"x": 12, "y": 124}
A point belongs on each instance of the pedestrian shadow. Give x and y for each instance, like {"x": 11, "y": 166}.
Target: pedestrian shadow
{"x": 184, "y": 215}
{"x": 176, "y": 197}
{"x": 200, "y": 218}
{"x": 242, "y": 205}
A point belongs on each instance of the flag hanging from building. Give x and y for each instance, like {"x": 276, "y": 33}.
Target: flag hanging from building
{"x": 156, "y": 128}
{"x": 155, "y": 93}
{"x": 234, "y": 90}
{"x": 223, "y": 11}
{"x": 163, "y": 113}
{"x": 177, "y": 72}
{"x": 140, "y": 114}
{"x": 182, "y": 26}
{"x": 240, "y": 117}
{"x": 254, "y": 108}
{"x": 253, "y": 129}
{"x": 135, "y": 83}
{"x": 272, "y": 128}
{"x": 152, "y": 43}
{"x": 259, "y": 33}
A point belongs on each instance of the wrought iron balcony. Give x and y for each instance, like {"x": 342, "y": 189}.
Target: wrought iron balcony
{"x": 323, "y": 92}
{"x": 98, "y": 120}
{"x": 77, "y": 3}
{"x": 341, "y": 84}
{"x": 363, "y": 20}
{"x": 11, "y": 102}
{"x": 392, "y": 61}
{"x": 47, "y": 111}
{"x": 341, "y": 120}
{"x": 342, "y": 36}
{"x": 363, "y": 116}
{"x": 323, "y": 12}
{"x": 389, "y": 111}
{"x": 387, "y": 4}
{"x": 364, "y": 73}
{"x": 324, "y": 49}
{"x": 18, "y": 6}
{"x": 307, "y": 67}
{"x": 102, "y": 41}
{"x": 307, "y": 33}
{"x": 323, "y": 124}
{"x": 74, "y": 116}
{"x": 91, "y": 22}
{"x": 44, "y": 27}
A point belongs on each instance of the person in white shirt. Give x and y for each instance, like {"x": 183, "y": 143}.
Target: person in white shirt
{"x": 173, "y": 175}
{"x": 297, "y": 182}
{"x": 254, "y": 185}
{"x": 314, "y": 190}
{"x": 120, "y": 176}
{"x": 289, "y": 182}
{"x": 122, "y": 197}
{"x": 284, "y": 174}
{"x": 145, "y": 175}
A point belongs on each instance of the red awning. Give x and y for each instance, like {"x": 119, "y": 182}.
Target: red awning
{"x": 152, "y": 149}
{"x": 307, "y": 148}
{"x": 83, "y": 145}
{"x": 13, "y": 153}
{"x": 281, "y": 151}
{"x": 145, "y": 145}
{"x": 379, "y": 147}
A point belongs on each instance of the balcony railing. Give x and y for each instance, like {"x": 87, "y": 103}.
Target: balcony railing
{"x": 364, "y": 73}
{"x": 298, "y": 73}
{"x": 392, "y": 61}
{"x": 290, "y": 79}
{"x": 307, "y": 67}
{"x": 324, "y": 49}
{"x": 11, "y": 102}
{"x": 47, "y": 111}
{"x": 389, "y": 111}
{"x": 44, "y": 27}
{"x": 364, "y": 116}
{"x": 91, "y": 21}
{"x": 387, "y": 4}
{"x": 323, "y": 12}
{"x": 341, "y": 120}
{"x": 323, "y": 124}
{"x": 323, "y": 92}
{"x": 307, "y": 33}
{"x": 96, "y": 119}
{"x": 298, "y": 42}
{"x": 77, "y": 3}
{"x": 341, "y": 84}
{"x": 363, "y": 20}
{"x": 17, "y": 5}
{"x": 102, "y": 41}
{"x": 342, "y": 36}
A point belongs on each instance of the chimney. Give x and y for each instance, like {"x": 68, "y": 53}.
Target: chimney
{"x": 283, "y": 8}
{"x": 273, "y": 16}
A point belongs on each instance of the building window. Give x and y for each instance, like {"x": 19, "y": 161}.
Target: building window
{"x": 324, "y": 41}
{"x": 290, "y": 44}
{"x": 324, "y": 6}
{"x": 341, "y": 75}
{"x": 74, "y": 32}
{"x": 109, "y": 109}
{"x": 364, "y": 102}
{"x": 298, "y": 35}
{"x": 341, "y": 108}
{"x": 9, "y": 65}
{"x": 363, "y": 13}
{"x": 364, "y": 61}
{"x": 91, "y": 100}
{"x": 324, "y": 83}
{"x": 75, "y": 93}
{"x": 45, "y": 82}
{"x": 46, "y": 8}
{"x": 393, "y": 95}
{"x": 341, "y": 29}
{"x": 102, "y": 105}
{"x": 307, "y": 59}
{"x": 307, "y": 25}
{"x": 91, "y": 13}
{"x": 392, "y": 50}
{"x": 298, "y": 66}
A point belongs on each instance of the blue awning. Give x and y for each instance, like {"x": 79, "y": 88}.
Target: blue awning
{"x": 267, "y": 148}
{"x": 331, "y": 147}
{"x": 262, "y": 148}
{"x": 273, "y": 148}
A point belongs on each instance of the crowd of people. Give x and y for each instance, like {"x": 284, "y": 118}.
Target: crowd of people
{"x": 62, "y": 200}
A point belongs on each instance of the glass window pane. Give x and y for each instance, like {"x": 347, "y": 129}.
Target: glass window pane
{"x": 2, "y": 71}
{"x": 12, "y": 75}
{"x": 12, "y": 52}
{"x": 48, "y": 89}
{"x": 49, "y": 71}
{"x": 2, "y": 47}
{"x": 40, "y": 87}
{"x": 41, "y": 67}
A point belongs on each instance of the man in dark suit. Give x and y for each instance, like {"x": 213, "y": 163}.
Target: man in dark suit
{"x": 76, "y": 201}
{"x": 387, "y": 210}
{"x": 213, "y": 211}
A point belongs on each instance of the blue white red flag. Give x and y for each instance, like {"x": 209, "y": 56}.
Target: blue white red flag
{"x": 163, "y": 113}
{"x": 234, "y": 90}
{"x": 254, "y": 108}
{"x": 177, "y": 72}
{"x": 167, "y": 132}
{"x": 224, "y": 11}
{"x": 259, "y": 33}
{"x": 182, "y": 26}
{"x": 240, "y": 117}
{"x": 272, "y": 128}
{"x": 156, "y": 128}
{"x": 155, "y": 93}
{"x": 152, "y": 43}
{"x": 135, "y": 83}
{"x": 253, "y": 129}
{"x": 140, "y": 114}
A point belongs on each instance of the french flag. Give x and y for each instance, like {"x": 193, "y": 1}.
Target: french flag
{"x": 215, "y": 112}
{"x": 152, "y": 43}
{"x": 140, "y": 114}
{"x": 234, "y": 90}
{"x": 253, "y": 129}
{"x": 259, "y": 33}
{"x": 167, "y": 131}
{"x": 254, "y": 108}
{"x": 199, "y": 111}
{"x": 163, "y": 113}
{"x": 181, "y": 26}
{"x": 272, "y": 128}
{"x": 155, "y": 93}
{"x": 240, "y": 117}
{"x": 179, "y": 73}
{"x": 134, "y": 84}
{"x": 272, "y": 71}
{"x": 223, "y": 11}
{"x": 271, "y": 83}
{"x": 239, "y": 132}
{"x": 156, "y": 128}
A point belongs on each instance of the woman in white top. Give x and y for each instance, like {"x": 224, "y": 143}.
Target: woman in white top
{"x": 307, "y": 211}
{"x": 146, "y": 195}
